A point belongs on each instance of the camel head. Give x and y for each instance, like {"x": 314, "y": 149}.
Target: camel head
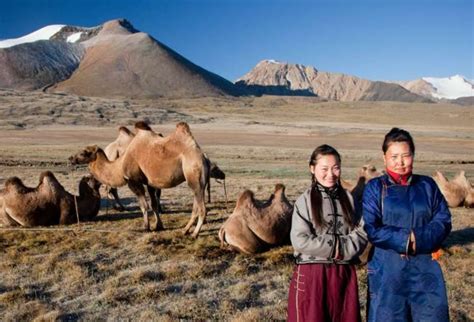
{"x": 368, "y": 171}
{"x": 88, "y": 184}
{"x": 86, "y": 155}
{"x": 215, "y": 172}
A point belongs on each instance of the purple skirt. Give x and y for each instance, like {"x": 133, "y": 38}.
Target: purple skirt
{"x": 324, "y": 292}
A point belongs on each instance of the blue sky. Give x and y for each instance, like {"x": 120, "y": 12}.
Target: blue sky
{"x": 372, "y": 39}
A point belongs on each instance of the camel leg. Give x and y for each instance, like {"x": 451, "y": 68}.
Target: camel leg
{"x": 191, "y": 220}
{"x": 113, "y": 192}
{"x": 158, "y": 197}
{"x": 139, "y": 191}
{"x": 152, "y": 192}
{"x": 201, "y": 211}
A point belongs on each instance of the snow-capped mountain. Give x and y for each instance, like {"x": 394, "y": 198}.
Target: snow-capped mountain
{"x": 110, "y": 60}
{"x": 441, "y": 88}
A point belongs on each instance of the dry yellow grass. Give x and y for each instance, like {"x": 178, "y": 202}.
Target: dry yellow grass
{"x": 111, "y": 269}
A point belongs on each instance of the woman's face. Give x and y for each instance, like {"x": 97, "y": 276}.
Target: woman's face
{"x": 399, "y": 158}
{"x": 327, "y": 170}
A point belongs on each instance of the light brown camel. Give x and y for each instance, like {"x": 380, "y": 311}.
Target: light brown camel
{"x": 157, "y": 162}
{"x": 254, "y": 226}
{"x": 111, "y": 173}
{"x": 113, "y": 151}
{"x": 48, "y": 203}
{"x": 165, "y": 162}
{"x": 457, "y": 192}
{"x": 453, "y": 191}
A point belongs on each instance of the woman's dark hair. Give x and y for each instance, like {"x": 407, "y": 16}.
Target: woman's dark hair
{"x": 398, "y": 135}
{"x": 316, "y": 198}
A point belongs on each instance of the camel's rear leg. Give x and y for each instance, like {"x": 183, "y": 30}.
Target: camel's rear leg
{"x": 201, "y": 212}
{"x": 138, "y": 189}
{"x": 112, "y": 192}
{"x": 155, "y": 205}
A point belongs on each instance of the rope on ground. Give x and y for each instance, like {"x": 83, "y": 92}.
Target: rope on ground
{"x": 78, "y": 229}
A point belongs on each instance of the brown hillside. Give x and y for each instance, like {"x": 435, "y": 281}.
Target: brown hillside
{"x": 120, "y": 61}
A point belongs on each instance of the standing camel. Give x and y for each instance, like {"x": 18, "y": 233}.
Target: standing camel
{"x": 165, "y": 162}
{"x": 114, "y": 150}
{"x": 158, "y": 163}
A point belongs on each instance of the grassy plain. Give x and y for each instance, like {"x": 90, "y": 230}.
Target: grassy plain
{"x": 109, "y": 269}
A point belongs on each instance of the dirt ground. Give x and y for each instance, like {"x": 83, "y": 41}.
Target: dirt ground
{"x": 125, "y": 273}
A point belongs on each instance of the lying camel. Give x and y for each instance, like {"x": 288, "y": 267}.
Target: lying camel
{"x": 453, "y": 191}
{"x": 457, "y": 192}
{"x": 48, "y": 203}
{"x": 156, "y": 162}
{"x": 113, "y": 151}
{"x": 254, "y": 226}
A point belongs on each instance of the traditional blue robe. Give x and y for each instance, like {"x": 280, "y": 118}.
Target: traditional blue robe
{"x": 409, "y": 288}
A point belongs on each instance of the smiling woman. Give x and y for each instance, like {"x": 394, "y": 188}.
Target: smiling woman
{"x": 406, "y": 220}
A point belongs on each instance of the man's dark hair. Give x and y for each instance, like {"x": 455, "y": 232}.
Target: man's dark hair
{"x": 398, "y": 135}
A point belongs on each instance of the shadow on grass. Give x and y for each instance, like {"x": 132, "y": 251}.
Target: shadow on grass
{"x": 460, "y": 237}
{"x": 119, "y": 216}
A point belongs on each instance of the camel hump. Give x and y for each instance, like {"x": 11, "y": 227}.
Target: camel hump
{"x": 142, "y": 125}
{"x": 14, "y": 182}
{"x": 279, "y": 188}
{"x": 125, "y": 130}
{"x": 437, "y": 174}
{"x": 183, "y": 127}
{"x": 246, "y": 198}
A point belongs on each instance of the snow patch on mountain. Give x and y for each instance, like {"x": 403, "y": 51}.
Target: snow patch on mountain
{"x": 450, "y": 87}
{"x": 44, "y": 33}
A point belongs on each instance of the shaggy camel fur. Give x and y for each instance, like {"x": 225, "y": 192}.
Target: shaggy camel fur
{"x": 114, "y": 150}
{"x": 457, "y": 192}
{"x": 48, "y": 203}
{"x": 254, "y": 226}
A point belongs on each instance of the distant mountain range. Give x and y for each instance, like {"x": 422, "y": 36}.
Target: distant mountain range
{"x": 116, "y": 60}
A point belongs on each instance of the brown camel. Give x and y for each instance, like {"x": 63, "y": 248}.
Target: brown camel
{"x": 111, "y": 173}
{"x": 254, "y": 226}
{"x": 457, "y": 192}
{"x": 48, "y": 203}
{"x": 157, "y": 162}
{"x": 216, "y": 173}
{"x": 165, "y": 162}
{"x": 113, "y": 151}
{"x": 453, "y": 191}
{"x": 365, "y": 173}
